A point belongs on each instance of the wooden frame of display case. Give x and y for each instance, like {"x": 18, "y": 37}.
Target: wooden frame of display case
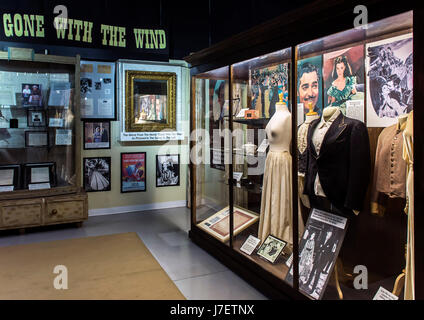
{"x": 317, "y": 20}
{"x": 22, "y": 209}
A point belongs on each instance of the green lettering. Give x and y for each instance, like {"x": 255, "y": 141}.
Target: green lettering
{"x": 29, "y": 25}
{"x": 8, "y": 25}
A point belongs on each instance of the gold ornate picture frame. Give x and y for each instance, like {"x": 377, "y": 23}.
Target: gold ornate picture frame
{"x": 150, "y": 101}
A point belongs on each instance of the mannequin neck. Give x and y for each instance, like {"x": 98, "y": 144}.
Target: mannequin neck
{"x": 328, "y": 112}
{"x": 281, "y": 107}
{"x": 311, "y": 118}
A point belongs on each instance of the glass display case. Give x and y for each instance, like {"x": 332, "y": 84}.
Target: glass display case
{"x": 329, "y": 214}
{"x": 40, "y": 170}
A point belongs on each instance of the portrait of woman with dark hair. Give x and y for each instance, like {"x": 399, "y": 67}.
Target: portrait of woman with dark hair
{"x": 343, "y": 87}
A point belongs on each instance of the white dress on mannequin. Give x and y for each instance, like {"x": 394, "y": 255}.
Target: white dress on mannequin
{"x": 276, "y": 205}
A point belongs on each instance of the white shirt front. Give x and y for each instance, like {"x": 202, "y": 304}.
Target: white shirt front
{"x": 317, "y": 140}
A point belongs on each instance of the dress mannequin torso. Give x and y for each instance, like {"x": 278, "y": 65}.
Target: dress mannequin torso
{"x": 279, "y": 129}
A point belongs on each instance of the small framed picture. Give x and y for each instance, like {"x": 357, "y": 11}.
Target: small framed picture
{"x": 97, "y": 174}
{"x": 271, "y": 248}
{"x": 167, "y": 170}
{"x": 10, "y": 177}
{"x": 32, "y": 95}
{"x": 133, "y": 172}
{"x": 36, "y": 139}
{"x": 36, "y": 118}
{"x": 39, "y": 175}
{"x": 96, "y": 135}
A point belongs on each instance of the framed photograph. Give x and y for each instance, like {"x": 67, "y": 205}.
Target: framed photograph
{"x": 167, "y": 170}
{"x": 344, "y": 83}
{"x": 266, "y": 86}
{"x": 97, "y": 174}
{"x": 133, "y": 172}
{"x": 218, "y": 225}
{"x": 96, "y": 135}
{"x": 318, "y": 250}
{"x": 32, "y": 95}
{"x": 39, "y": 175}
{"x": 97, "y": 90}
{"x": 10, "y": 177}
{"x": 150, "y": 101}
{"x": 36, "y": 139}
{"x": 36, "y": 118}
{"x": 271, "y": 248}
{"x": 389, "y": 71}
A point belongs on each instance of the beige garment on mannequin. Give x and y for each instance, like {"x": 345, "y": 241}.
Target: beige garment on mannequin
{"x": 276, "y": 206}
{"x": 408, "y": 155}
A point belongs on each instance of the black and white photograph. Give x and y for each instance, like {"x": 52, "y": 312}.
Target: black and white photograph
{"x": 97, "y": 174}
{"x": 98, "y": 85}
{"x": 271, "y": 248}
{"x": 36, "y": 118}
{"x": 86, "y": 85}
{"x": 319, "y": 247}
{"x": 167, "y": 170}
{"x": 389, "y": 71}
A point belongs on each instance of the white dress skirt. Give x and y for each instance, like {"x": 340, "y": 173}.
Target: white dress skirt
{"x": 276, "y": 205}
{"x": 98, "y": 181}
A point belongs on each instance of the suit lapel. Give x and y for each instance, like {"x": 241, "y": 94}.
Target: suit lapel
{"x": 335, "y": 130}
{"x": 311, "y": 130}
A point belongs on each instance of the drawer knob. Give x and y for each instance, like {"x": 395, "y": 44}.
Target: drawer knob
{"x": 54, "y": 212}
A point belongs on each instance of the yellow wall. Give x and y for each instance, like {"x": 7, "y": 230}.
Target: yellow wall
{"x": 153, "y": 196}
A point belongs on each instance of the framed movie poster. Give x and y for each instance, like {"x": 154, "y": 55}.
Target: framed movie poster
{"x": 167, "y": 170}
{"x": 96, "y": 135}
{"x": 133, "y": 172}
{"x": 218, "y": 225}
{"x": 97, "y": 174}
{"x": 266, "y": 85}
{"x": 309, "y": 85}
{"x": 39, "y": 175}
{"x": 97, "y": 90}
{"x": 36, "y": 118}
{"x": 318, "y": 250}
{"x": 344, "y": 83}
{"x": 10, "y": 177}
{"x": 271, "y": 248}
{"x": 389, "y": 70}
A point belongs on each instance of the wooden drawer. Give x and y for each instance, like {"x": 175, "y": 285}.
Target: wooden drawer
{"x": 65, "y": 210}
{"x": 22, "y": 214}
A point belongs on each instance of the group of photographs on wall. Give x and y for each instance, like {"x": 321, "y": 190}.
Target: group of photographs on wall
{"x": 371, "y": 82}
{"x": 97, "y": 172}
{"x": 97, "y": 85}
{"x": 32, "y": 176}
{"x": 27, "y": 121}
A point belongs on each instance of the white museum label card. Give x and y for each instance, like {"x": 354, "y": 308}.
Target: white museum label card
{"x": 105, "y": 107}
{"x": 6, "y": 177}
{"x": 56, "y": 122}
{"x": 87, "y": 107}
{"x": 355, "y": 109}
{"x": 241, "y": 113}
{"x": 7, "y": 189}
{"x": 63, "y": 137}
{"x": 300, "y": 114}
{"x": 237, "y": 175}
{"x": 264, "y": 145}
{"x": 250, "y": 245}
{"x": 40, "y": 175}
{"x": 383, "y": 294}
{"x": 289, "y": 261}
{"x": 39, "y": 186}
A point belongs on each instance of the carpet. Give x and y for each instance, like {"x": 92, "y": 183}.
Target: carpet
{"x": 113, "y": 267}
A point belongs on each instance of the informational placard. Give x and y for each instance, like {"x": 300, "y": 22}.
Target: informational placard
{"x": 63, "y": 137}
{"x": 40, "y": 175}
{"x": 355, "y": 110}
{"x": 318, "y": 250}
{"x": 6, "y": 177}
{"x": 56, "y": 122}
{"x": 383, "y": 294}
{"x": 60, "y": 94}
{"x": 250, "y": 245}
{"x": 264, "y": 145}
{"x": 6, "y": 188}
{"x": 39, "y": 186}
{"x": 97, "y": 90}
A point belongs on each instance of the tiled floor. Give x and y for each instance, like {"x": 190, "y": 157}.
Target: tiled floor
{"x": 197, "y": 274}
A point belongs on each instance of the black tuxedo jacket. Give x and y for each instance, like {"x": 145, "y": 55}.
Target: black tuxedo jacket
{"x": 343, "y": 165}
